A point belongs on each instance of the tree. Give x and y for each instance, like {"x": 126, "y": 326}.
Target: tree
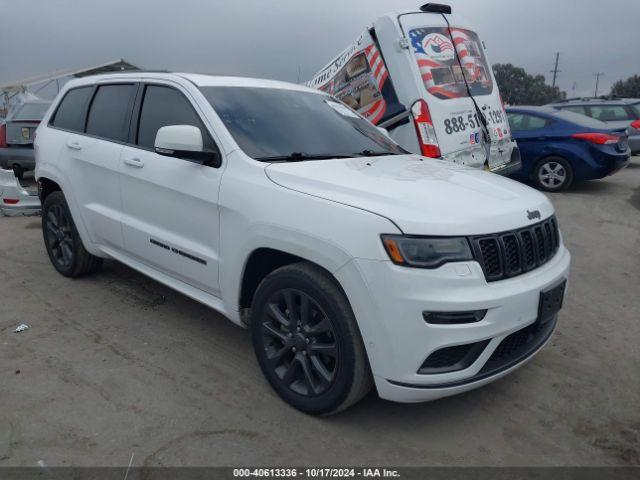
{"x": 627, "y": 88}
{"x": 519, "y": 88}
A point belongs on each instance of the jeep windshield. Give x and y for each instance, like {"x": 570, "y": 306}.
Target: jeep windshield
{"x": 273, "y": 124}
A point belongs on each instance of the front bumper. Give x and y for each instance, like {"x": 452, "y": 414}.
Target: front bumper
{"x": 398, "y": 340}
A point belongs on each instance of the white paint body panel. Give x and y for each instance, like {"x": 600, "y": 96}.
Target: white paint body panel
{"x": 329, "y": 212}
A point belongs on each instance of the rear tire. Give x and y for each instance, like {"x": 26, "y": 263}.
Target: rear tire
{"x": 553, "y": 174}
{"x": 307, "y": 342}
{"x": 18, "y": 171}
{"x": 64, "y": 246}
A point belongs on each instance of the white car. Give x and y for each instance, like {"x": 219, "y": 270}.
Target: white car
{"x": 350, "y": 261}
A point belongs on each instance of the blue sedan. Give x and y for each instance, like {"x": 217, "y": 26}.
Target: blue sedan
{"x": 559, "y": 148}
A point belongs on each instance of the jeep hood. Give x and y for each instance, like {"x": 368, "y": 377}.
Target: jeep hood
{"x": 421, "y": 196}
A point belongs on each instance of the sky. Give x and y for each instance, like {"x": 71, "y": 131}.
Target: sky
{"x": 282, "y": 39}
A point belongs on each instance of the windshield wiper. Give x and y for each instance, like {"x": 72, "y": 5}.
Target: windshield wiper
{"x": 301, "y": 157}
{"x": 371, "y": 153}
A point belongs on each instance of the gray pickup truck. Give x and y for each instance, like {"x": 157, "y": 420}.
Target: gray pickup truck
{"x": 16, "y": 136}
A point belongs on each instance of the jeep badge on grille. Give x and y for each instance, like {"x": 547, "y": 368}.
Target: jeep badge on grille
{"x": 534, "y": 214}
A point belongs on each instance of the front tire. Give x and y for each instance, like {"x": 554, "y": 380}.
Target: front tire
{"x": 553, "y": 174}
{"x": 64, "y": 246}
{"x": 307, "y": 342}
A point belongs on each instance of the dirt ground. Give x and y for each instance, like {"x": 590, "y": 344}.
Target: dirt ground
{"x": 116, "y": 365}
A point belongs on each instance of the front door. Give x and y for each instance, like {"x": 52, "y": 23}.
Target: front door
{"x": 531, "y": 132}
{"x": 170, "y": 205}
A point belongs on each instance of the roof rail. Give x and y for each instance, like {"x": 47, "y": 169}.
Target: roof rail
{"x": 586, "y": 99}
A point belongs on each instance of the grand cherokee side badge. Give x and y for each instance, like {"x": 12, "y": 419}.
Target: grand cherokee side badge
{"x": 533, "y": 215}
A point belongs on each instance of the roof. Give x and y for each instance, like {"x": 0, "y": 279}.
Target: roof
{"x": 597, "y": 100}
{"x": 229, "y": 81}
{"x": 199, "y": 80}
{"x": 566, "y": 115}
{"x": 112, "y": 66}
{"x": 528, "y": 108}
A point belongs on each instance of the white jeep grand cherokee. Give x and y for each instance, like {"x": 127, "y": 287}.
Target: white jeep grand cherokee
{"x": 350, "y": 261}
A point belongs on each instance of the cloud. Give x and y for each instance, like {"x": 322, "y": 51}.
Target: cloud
{"x": 276, "y": 38}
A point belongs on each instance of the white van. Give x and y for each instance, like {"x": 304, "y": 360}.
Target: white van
{"x": 424, "y": 76}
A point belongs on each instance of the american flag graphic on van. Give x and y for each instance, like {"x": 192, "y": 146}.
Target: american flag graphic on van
{"x": 376, "y": 110}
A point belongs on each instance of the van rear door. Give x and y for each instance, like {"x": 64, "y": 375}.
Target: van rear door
{"x": 453, "y": 72}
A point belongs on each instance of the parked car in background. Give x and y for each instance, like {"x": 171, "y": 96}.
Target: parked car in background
{"x": 424, "y": 75}
{"x": 14, "y": 198}
{"x": 561, "y": 147}
{"x": 351, "y": 261}
{"x": 618, "y": 113}
{"x": 16, "y": 136}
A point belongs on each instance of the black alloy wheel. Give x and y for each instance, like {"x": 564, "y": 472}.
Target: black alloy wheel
{"x": 59, "y": 237}
{"x": 300, "y": 342}
{"x": 307, "y": 341}
{"x": 62, "y": 241}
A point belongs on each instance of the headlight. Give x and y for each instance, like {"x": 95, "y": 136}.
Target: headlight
{"x": 425, "y": 252}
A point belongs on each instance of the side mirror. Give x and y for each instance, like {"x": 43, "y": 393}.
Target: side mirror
{"x": 185, "y": 142}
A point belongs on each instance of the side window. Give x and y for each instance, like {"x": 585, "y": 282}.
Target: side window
{"x": 163, "y": 106}
{"x": 576, "y": 109}
{"x": 110, "y": 112}
{"x": 522, "y": 122}
{"x": 70, "y": 112}
{"x": 610, "y": 113}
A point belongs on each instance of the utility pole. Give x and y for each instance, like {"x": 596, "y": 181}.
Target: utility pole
{"x": 598, "y": 75}
{"x": 555, "y": 71}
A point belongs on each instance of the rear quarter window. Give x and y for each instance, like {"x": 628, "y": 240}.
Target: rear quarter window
{"x": 70, "y": 112}
{"x": 610, "y": 113}
{"x": 31, "y": 111}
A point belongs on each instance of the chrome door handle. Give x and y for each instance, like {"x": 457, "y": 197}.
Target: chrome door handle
{"x": 74, "y": 145}
{"x": 134, "y": 162}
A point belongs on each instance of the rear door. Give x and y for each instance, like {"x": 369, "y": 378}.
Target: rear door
{"x": 171, "y": 219}
{"x": 91, "y": 152}
{"x": 450, "y": 83}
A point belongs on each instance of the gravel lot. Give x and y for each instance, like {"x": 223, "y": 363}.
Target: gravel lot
{"x": 117, "y": 364}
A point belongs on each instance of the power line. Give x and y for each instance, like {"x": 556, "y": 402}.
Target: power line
{"x": 598, "y": 75}
{"x": 555, "y": 71}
